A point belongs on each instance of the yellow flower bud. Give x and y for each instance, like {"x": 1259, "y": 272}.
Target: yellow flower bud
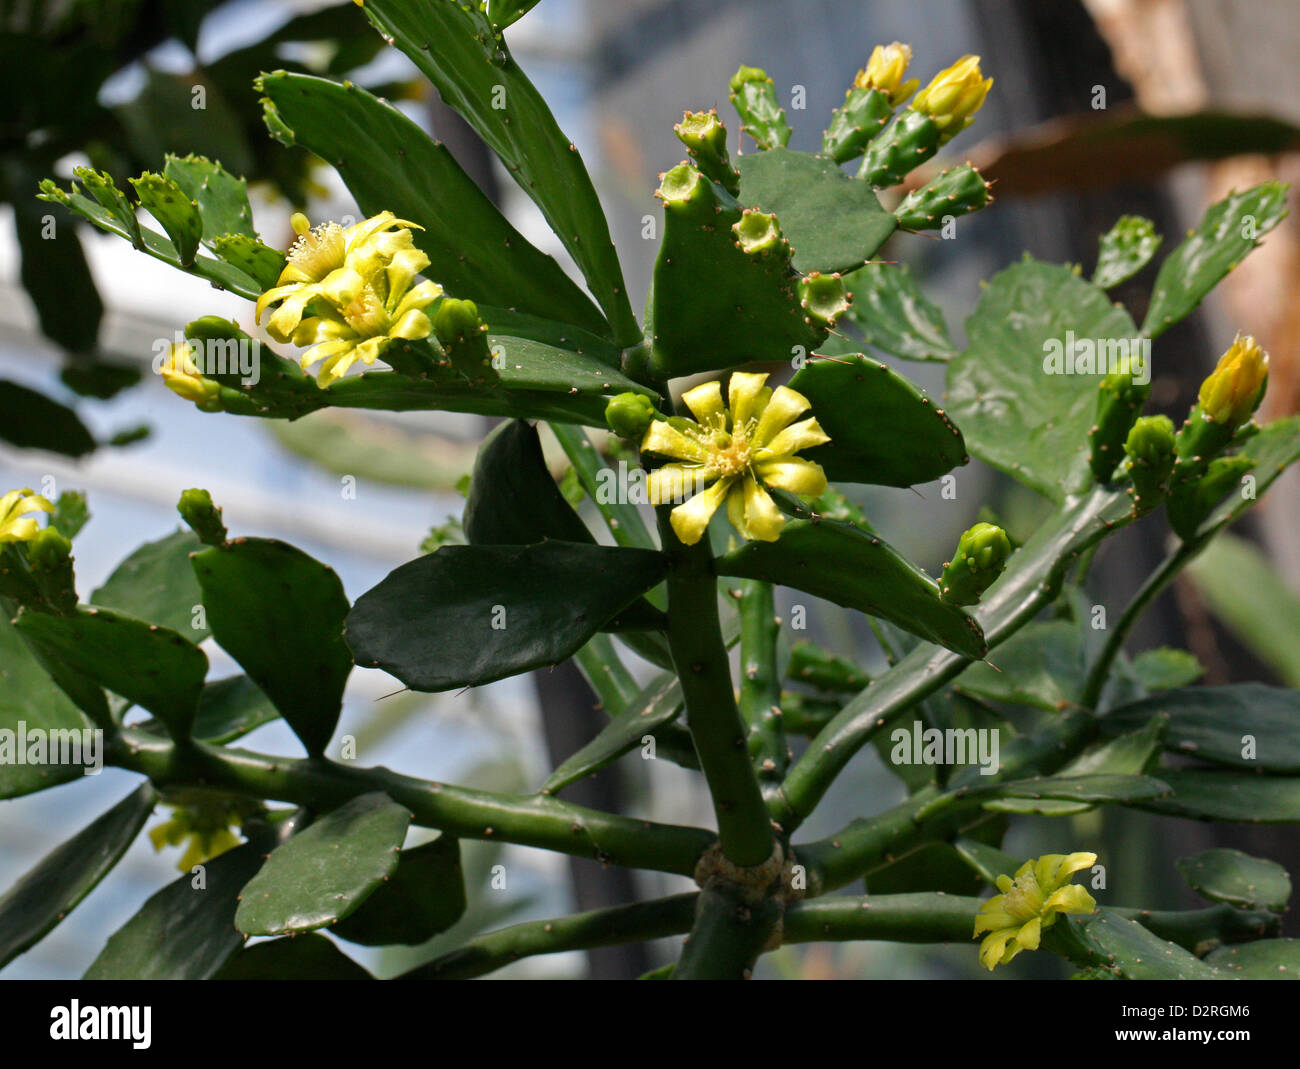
{"x": 183, "y": 377}
{"x": 954, "y": 96}
{"x": 1234, "y": 389}
{"x": 16, "y": 525}
{"x": 885, "y": 70}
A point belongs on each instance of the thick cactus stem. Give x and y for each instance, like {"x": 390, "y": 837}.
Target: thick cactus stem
{"x": 981, "y": 555}
{"x": 49, "y": 555}
{"x": 753, "y": 95}
{"x": 906, "y": 143}
{"x": 957, "y": 191}
{"x": 704, "y": 135}
{"x": 1119, "y": 400}
{"x": 1150, "y": 449}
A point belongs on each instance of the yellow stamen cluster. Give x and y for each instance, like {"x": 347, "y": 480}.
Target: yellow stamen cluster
{"x": 347, "y": 292}
{"x": 732, "y": 453}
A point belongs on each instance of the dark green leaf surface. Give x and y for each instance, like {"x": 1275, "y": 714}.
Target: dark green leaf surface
{"x": 183, "y": 932}
{"x": 1265, "y": 959}
{"x": 1136, "y": 954}
{"x": 326, "y": 871}
{"x": 1032, "y": 425}
{"x": 425, "y": 895}
{"x": 156, "y": 583}
{"x": 895, "y": 316}
{"x": 303, "y": 957}
{"x": 1041, "y": 665}
{"x": 474, "y": 73}
{"x": 832, "y": 222}
{"x": 883, "y": 430}
{"x": 658, "y": 704}
{"x": 280, "y": 614}
{"x": 841, "y": 563}
{"x": 1238, "y": 879}
{"x": 431, "y": 622}
{"x": 1221, "y": 794}
{"x": 1230, "y": 229}
{"x": 1210, "y": 724}
{"x": 50, "y": 891}
{"x": 1165, "y": 668}
{"x": 1275, "y": 448}
{"x": 34, "y": 421}
{"x": 390, "y": 164}
{"x": 151, "y": 666}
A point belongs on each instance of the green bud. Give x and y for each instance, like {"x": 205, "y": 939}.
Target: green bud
{"x": 753, "y": 95}
{"x": 981, "y": 555}
{"x": 957, "y": 191}
{"x": 629, "y": 415}
{"x": 1191, "y": 502}
{"x": 1119, "y": 400}
{"x": 463, "y": 337}
{"x": 203, "y": 517}
{"x": 1150, "y": 448}
{"x": 906, "y": 143}
{"x": 823, "y": 298}
{"x": 704, "y": 135}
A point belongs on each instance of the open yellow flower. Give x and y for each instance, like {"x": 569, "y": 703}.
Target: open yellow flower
{"x": 732, "y": 453}
{"x": 319, "y": 254}
{"x": 15, "y": 523}
{"x": 183, "y": 377}
{"x": 362, "y": 314}
{"x": 1015, "y": 919}
{"x": 205, "y": 829}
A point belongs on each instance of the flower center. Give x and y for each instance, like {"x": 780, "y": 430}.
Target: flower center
{"x": 318, "y": 251}
{"x": 734, "y": 457}
{"x": 366, "y": 314}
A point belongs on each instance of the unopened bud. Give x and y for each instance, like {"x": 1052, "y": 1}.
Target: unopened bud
{"x": 629, "y": 415}
{"x": 885, "y": 70}
{"x": 1234, "y": 389}
{"x": 981, "y": 555}
{"x": 203, "y": 517}
{"x": 954, "y": 96}
{"x": 1150, "y": 448}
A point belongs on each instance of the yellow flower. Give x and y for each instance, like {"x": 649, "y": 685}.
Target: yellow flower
{"x": 954, "y": 96}
{"x": 321, "y": 252}
{"x": 15, "y": 524}
{"x": 1234, "y": 388}
{"x": 1015, "y": 919}
{"x": 204, "y": 826}
{"x": 183, "y": 377}
{"x": 885, "y": 70}
{"x": 362, "y": 314}
{"x": 732, "y": 454}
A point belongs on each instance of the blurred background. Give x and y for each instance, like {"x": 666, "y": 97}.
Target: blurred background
{"x": 1099, "y": 108}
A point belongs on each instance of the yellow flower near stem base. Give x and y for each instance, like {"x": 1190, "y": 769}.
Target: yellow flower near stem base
{"x": 16, "y": 525}
{"x": 1030, "y": 902}
{"x": 319, "y": 253}
{"x": 954, "y": 96}
{"x": 204, "y": 828}
{"x": 362, "y": 313}
{"x": 732, "y": 453}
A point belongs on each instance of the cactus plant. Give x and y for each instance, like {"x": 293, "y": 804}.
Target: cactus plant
{"x": 759, "y": 263}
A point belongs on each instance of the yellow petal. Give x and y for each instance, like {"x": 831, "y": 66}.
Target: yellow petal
{"x": 794, "y": 439}
{"x": 784, "y": 408}
{"x": 1030, "y": 934}
{"x": 666, "y": 440}
{"x": 705, "y": 402}
{"x": 763, "y": 520}
{"x": 1072, "y": 898}
{"x": 743, "y": 393}
{"x": 342, "y": 286}
{"x": 673, "y": 483}
{"x": 993, "y": 949}
{"x": 691, "y": 520}
{"x": 423, "y": 294}
{"x": 413, "y": 326}
{"x": 796, "y": 476}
